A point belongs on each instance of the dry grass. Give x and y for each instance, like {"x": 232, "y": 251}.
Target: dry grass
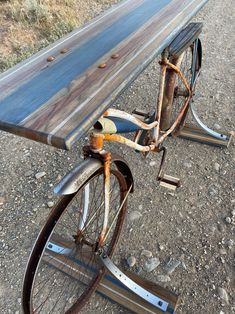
{"x": 28, "y": 25}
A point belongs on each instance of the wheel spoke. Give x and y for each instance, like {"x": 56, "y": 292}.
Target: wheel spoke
{"x": 65, "y": 278}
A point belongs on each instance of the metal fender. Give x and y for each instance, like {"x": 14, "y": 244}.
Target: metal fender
{"x": 74, "y": 180}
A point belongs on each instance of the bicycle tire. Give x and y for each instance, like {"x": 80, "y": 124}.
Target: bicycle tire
{"x": 51, "y": 301}
{"x": 189, "y": 64}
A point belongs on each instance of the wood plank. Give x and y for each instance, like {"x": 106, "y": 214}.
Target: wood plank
{"x": 58, "y": 102}
{"x": 111, "y": 288}
{"x": 194, "y": 133}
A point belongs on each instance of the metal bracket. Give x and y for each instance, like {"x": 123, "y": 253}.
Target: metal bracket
{"x": 205, "y": 128}
{"x": 130, "y": 284}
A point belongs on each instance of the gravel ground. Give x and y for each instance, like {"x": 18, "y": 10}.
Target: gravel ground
{"x": 193, "y": 226}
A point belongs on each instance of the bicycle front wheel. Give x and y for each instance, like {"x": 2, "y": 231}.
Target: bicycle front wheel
{"x": 63, "y": 270}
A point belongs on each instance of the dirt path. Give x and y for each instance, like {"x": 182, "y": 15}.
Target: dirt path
{"x": 188, "y": 226}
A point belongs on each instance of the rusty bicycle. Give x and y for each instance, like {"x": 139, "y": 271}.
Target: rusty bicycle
{"x": 67, "y": 90}
{"x": 83, "y": 228}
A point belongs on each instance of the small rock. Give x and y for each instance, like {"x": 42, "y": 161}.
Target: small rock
{"x": 28, "y": 173}
{"x": 184, "y": 265}
{"x": 1, "y": 228}
{"x": 161, "y": 247}
{"x": 220, "y": 227}
{"x": 151, "y": 264}
{"x": 222, "y": 252}
{"x": 212, "y": 190}
{"x": 135, "y": 215}
{"x": 2, "y": 200}
{"x": 39, "y": 175}
{"x": 71, "y": 300}
{"x": 50, "y": 204}
{"x": 171, "y": 265}
{"x": 17, "y": 312}
{"x": 230, "y": 243}
{"x": 147, "y": 253}
{"x": 35, "y": 209}
{"x": 222, "y": 293}
{"x": 187, "y": 164}
{"x": 221, "y": 312}
{"x": 217, "y": 166}
{"x": 233, "y": 212}
{"x": 228, "y": 220}
{"x": 152, "y": 163}
{"x": 131, "y": 261}
{"x": 217, "y": 126}
{"x": 163, "y": 278}
{"x": 138, "y": 270}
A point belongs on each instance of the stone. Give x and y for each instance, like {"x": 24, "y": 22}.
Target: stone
{"x": 163, "y": 278}
{"x": 222, "y": 251}
{"x": 35, "y": 209}
{"x": 233, "y": 212}
{"x": 213, "y": 190}
{"x": 151, "y": 264}
{"x": 147, "y": 253}
{"x": 171, "y": 265}
{"x": 220, "y": 227}
{"x": 2, "y": 200}
{"x": 138, "y": 270}
{"x": 131, "y": 261}
{"x": 217, "y": 166}
{"x": 228, "y": 220}
{"x": 222, "y": 293}
{"x": 217, "y": 126}
{"x": 135, "y": 215}
{"x": 187, "y": 164}
{"x": 152, "y": 163}
{"x": 230, "y": 243}
{"x": 50, "y": 204}
{"x": 39, "y": 175}
{"x": 29, "y": 173}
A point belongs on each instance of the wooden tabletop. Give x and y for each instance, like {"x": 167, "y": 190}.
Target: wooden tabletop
{"x": 55, "y": 96}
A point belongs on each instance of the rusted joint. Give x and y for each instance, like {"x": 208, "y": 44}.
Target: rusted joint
{"x": 165, "y": 62}
{"x": 96, "y": 142}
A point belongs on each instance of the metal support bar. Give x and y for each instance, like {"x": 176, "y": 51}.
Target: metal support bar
{"x": 130, "y": 284}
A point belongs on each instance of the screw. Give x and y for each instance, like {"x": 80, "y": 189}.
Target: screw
{"x": 50, "y": 58}
{"x": 102, "y": 65}
{"x": 115, "y": 56}
{"x": 64, "y": 50}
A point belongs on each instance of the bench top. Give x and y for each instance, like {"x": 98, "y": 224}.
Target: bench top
{"x": 57, "y": 102}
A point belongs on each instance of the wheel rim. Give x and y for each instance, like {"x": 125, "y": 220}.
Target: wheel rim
{"x": 59, "y": 291}
{"x": 180, "y": 91}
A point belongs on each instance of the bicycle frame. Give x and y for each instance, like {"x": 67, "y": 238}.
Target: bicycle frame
{"x": 97, "y": 139}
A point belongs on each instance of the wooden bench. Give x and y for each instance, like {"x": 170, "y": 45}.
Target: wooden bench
{"x": 56, "y": 96}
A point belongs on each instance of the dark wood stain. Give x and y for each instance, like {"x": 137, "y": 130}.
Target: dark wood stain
{"x": 50, "y": 118}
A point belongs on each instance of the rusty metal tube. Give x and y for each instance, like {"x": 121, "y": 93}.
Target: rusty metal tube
{"x": 156, "y": 132}
{"x": 122, "y": 140}
{"x": 107, "y": 173}
{"x": 126, "y": 116}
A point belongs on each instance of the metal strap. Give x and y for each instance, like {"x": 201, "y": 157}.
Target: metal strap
{"x": 130, "y": 284}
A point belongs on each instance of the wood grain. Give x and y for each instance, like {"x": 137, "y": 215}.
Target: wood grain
{"x": 57, "y": 102}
